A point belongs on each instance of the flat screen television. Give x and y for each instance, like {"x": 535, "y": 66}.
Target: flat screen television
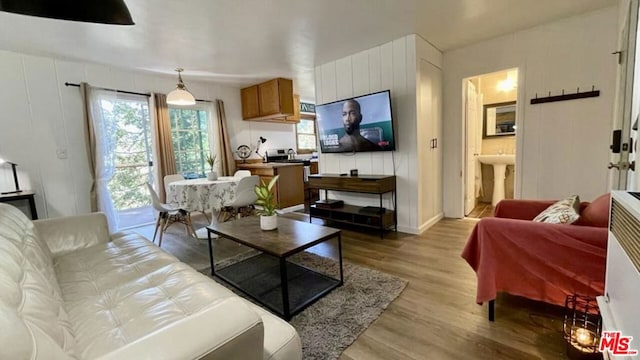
{"x": 362, "y": 123}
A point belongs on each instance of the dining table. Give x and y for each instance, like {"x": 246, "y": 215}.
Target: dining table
{"x": 202, "y": 195}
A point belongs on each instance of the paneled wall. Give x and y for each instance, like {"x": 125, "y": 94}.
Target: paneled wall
{"x": 562, "y": 147}
{"x": 41, "y": 115}
{"x": 389, "y": 66}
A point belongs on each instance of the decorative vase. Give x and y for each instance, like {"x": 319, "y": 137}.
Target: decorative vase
{"x": 268, "y": 222}
{"x": 212, "y": 175}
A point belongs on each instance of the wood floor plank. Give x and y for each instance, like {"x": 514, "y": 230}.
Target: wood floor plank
{"x": 435, "y": 317}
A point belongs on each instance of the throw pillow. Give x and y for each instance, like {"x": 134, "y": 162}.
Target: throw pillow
{"x": 565, "y": 211}
{"x": 597, "y": 212}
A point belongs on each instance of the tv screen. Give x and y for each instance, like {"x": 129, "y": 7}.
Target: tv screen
{"x": 362, "y": 123}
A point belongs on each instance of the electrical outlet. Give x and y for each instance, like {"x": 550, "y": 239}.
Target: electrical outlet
{"x": 61, "y": 153}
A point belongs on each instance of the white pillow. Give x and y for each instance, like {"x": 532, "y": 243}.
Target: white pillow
{"x": 565, "y": 211}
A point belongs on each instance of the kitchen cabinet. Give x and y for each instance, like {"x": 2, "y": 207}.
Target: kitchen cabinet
{"x": 289, "y": 189}
{"x": 295, "y": 118}
{"x": 271, "y": 100}
{"x": 250, "y": 108}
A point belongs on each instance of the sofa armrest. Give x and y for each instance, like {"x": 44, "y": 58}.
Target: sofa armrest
{"x": 70, "y": 233}
{"x": 521, "y": 209}
{"x": 226, "y": 330}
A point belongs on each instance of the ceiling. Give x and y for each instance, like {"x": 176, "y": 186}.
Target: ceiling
{"x": 249, "y": 41}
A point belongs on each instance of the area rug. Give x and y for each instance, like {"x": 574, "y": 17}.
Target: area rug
{"x": 330, "y": 325}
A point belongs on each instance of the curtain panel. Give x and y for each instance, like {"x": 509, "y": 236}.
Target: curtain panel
{"x": 227, "y": 162}
{"x": 165, "y": 157}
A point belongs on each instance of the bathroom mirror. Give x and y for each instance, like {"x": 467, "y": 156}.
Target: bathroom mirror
{"x": 499, "y": 119}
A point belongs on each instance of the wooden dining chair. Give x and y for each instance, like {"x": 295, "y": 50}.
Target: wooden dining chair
{"x": 169, "y": 215}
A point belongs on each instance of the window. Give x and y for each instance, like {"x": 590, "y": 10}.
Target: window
{"x": 190, "y": 140}
{"x": 306, "y": 134}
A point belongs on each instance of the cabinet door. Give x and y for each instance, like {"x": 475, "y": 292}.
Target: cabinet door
{"x": 295, "y": 118}
{"x": 269, "y": 98}
{"x": 250, "y": 105}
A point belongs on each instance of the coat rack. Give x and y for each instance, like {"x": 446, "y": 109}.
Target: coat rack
{"x": 563, "y": 97}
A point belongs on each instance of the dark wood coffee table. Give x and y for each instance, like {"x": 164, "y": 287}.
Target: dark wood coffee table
{"x": 286, "y": 288}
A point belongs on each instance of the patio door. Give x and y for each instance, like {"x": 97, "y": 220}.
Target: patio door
{"x": 128, "y": 124}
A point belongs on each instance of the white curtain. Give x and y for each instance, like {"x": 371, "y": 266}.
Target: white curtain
{"x": 105, "y": 152}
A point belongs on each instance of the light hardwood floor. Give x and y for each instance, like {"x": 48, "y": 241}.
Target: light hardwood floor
{"x": 436, "y": 316}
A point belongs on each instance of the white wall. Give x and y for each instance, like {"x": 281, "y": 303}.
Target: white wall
{"x": 41, "y": 114}
{"x": 563, "y": 147}
{"x": 389, "y": 66}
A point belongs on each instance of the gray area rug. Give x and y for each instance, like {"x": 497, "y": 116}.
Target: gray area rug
{"x": 335, "y": 321}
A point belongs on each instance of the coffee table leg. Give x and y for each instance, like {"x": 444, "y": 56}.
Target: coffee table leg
{"x": 284, "y": 284}
{"x": 210, "y": 252}
{"x": 340, "y": 256}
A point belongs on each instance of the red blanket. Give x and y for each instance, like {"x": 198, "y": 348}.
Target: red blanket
{"x": 539, "y": 261}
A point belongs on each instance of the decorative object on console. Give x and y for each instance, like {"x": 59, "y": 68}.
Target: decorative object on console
{"x": 180, "y": 96}
{"x": 243, "y": 152}
{"x": 211, "y": 160}
{"x": 15, "y": 177}
{"x": 565, "y": 211}
{"x": 266, "y": 199}
{"x": 581, "y": 328}
{"x": 353, "y": 172}
{"x": 112, "y": 12}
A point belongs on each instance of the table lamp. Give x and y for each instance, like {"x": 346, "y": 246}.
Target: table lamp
{"x": 15, "y": 177}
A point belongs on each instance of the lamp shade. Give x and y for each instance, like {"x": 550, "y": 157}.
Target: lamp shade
{"x": 113, "y": 12}
{"x": 180, "y": 96}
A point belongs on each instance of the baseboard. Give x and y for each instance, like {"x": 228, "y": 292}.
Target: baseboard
{"x": 429, "y": 223}
{"x": 291, "y": 209}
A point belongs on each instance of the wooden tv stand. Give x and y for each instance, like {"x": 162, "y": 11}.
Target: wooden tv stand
{"x": 368, "y": 216}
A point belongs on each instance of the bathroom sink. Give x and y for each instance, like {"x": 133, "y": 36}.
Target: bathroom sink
{"x": 509, "y": 159}
{"x": 499, "y": 163}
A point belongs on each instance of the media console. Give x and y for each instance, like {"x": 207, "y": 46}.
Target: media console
{"x": 369, "y": 216}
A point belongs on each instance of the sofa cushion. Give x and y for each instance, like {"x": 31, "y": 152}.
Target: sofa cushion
{"x": 596, "y": 213}
{"x": 30, "y": 299}
{"x": 565, "y": 211}
{"x": 119, "y": 292}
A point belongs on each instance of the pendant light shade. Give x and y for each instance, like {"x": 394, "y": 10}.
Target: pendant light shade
{"x": 180, "y": 96}
{"x": 113, "y": 12}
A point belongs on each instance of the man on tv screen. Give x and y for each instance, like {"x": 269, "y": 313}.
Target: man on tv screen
{"x": 352, "y": 140}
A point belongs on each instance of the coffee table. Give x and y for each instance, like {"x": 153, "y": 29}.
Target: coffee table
{"x": 286, "y": 288}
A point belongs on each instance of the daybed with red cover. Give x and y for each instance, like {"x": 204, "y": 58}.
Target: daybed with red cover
{"x": 540, "y": 261}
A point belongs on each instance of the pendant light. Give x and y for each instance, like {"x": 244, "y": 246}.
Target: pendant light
{"x": 112, "y": 12}
{"x": 180, "y": 96}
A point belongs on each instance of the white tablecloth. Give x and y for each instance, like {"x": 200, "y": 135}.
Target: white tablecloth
{"x": 202, "y": 194}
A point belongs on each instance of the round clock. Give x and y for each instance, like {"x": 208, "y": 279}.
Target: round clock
{"x": 243, "y": 152}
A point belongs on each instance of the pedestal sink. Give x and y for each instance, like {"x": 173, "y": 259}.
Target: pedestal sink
{"x": 499, "y": 163}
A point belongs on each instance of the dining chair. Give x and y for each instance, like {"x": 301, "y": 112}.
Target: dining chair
{"x": 169, "y": 215}
{"x": 243, "y": 200}
{"x": 168, "y": 179}
{"x": 242, "y": 173}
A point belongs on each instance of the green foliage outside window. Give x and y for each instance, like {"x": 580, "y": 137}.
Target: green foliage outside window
{"x": 132, "y": 153}
{"x": 190, "y": 141}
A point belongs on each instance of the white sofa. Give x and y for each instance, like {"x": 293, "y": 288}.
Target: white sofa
{"x": 68, "y": 290}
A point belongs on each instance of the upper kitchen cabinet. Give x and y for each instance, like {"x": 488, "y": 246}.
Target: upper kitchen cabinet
{"x": 271, "y": 100}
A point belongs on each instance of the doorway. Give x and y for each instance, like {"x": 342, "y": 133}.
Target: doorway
{"x": 126, "y": 119}
{"x": 490, "y": 103}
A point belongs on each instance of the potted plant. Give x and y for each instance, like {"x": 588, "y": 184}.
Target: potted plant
{"x": 212, "y": 175}
{"x": 266, "y": 199}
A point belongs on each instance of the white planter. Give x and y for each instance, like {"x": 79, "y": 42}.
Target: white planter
{"x": 212, "y": 175}
{"x": 268, "y": 222}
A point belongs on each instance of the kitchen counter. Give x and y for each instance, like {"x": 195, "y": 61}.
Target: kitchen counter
{"x": 270, "y": 165}
{"x": 289, "y": 189}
